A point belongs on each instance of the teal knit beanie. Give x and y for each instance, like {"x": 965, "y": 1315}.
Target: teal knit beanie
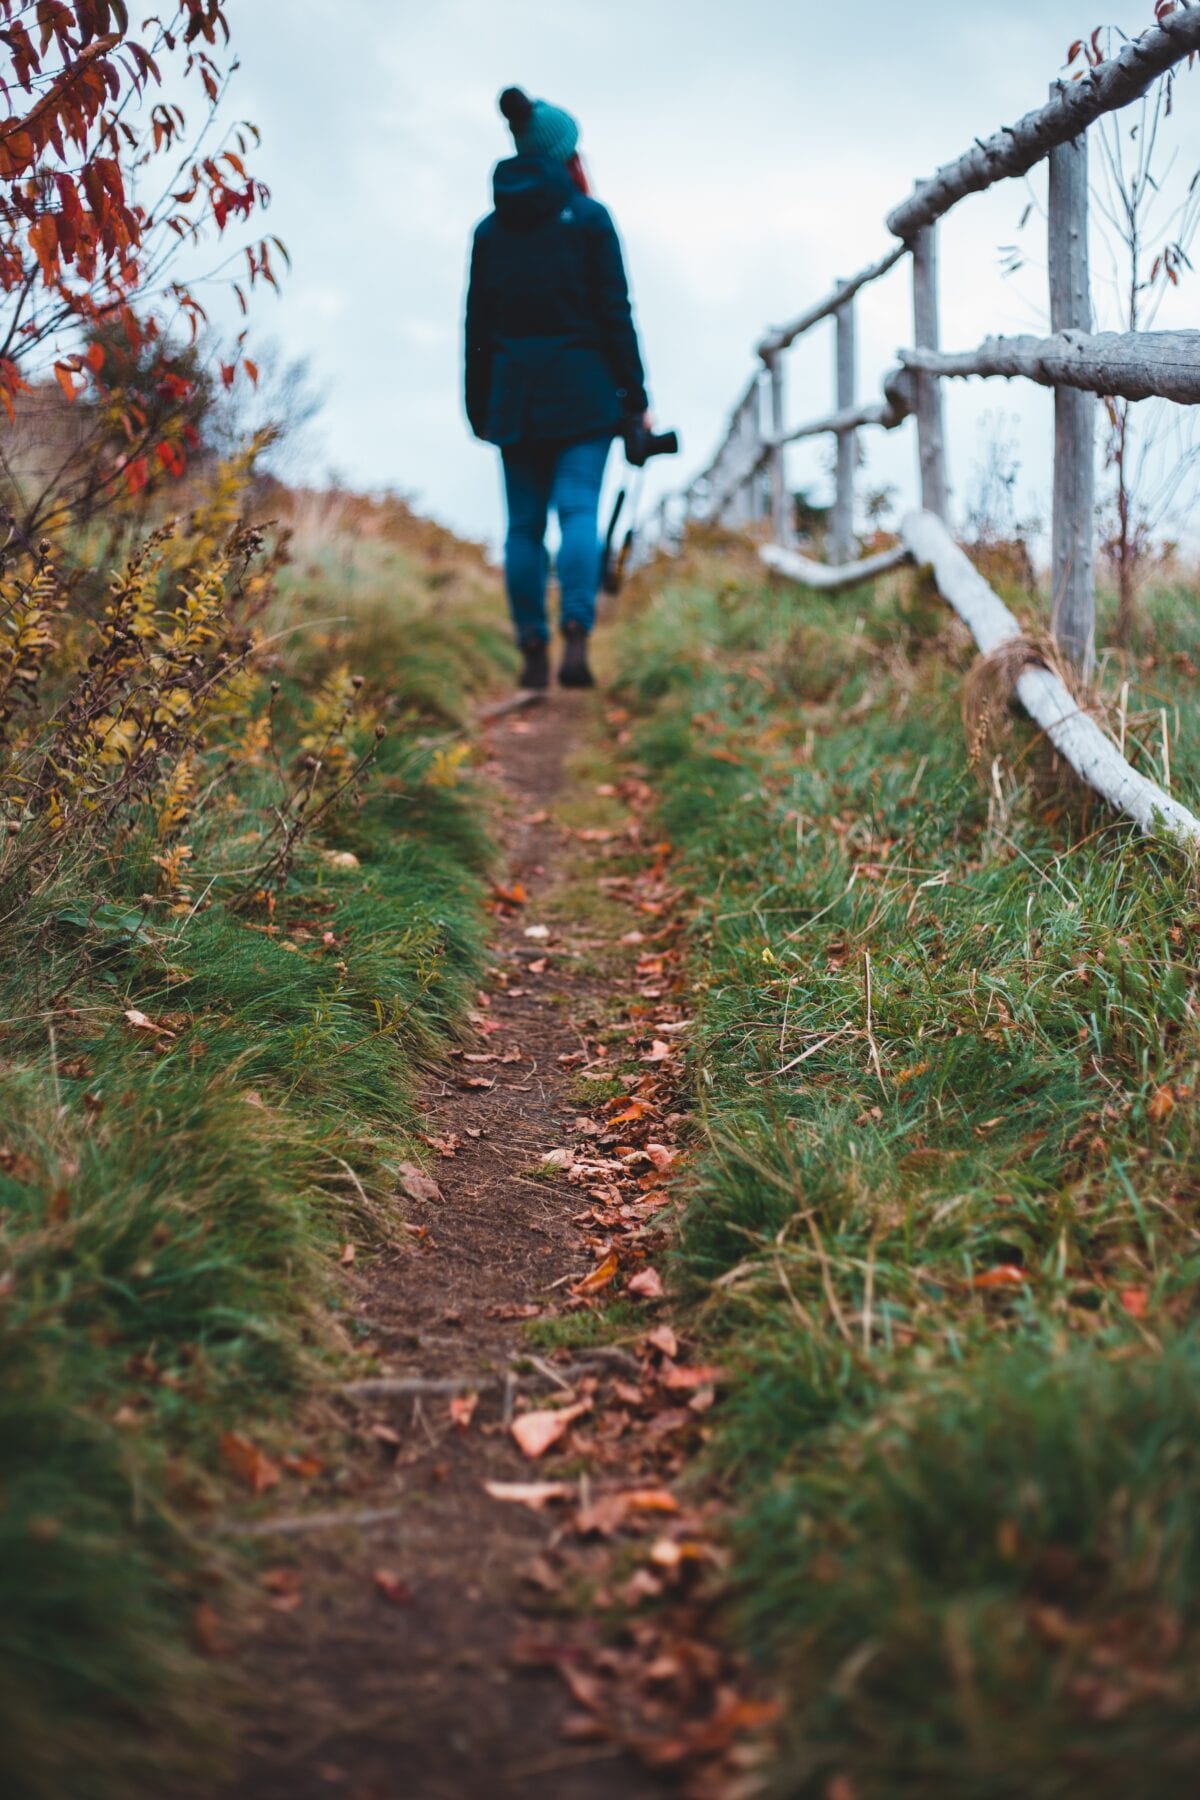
{"x": 538, "y": 128}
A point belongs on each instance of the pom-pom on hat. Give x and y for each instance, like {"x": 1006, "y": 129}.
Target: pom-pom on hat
{"x": 538, "y": 128}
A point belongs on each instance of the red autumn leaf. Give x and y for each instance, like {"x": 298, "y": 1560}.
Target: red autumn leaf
{"x": 1004, "y": 1275}
{"x": 248, "y": 1462}
{"x": 389, "y": 1587}
{"x": 66, "y": 381}
{"x": 1135, "y": 1301}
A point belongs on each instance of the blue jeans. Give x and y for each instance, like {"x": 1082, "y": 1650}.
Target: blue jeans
{"x": 568, "y": 478}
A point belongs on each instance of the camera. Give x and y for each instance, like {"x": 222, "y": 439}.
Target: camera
{"x": 641, "y": 445}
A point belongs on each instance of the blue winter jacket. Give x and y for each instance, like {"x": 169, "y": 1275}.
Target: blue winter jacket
{"x": 551, "y": 351}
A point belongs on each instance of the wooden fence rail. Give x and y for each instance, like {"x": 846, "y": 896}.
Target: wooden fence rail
{"x": 745, "y": 483}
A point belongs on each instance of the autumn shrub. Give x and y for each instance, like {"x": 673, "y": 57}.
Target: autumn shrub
{"x": 940, "y": 1225}
{"x": 239, "y": 906}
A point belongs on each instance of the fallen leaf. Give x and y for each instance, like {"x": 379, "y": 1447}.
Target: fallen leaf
{"x": 1134, "y": 1301}
{"x": 390, "y": 1587}
{"x": 534, "y": 1494}
{"x": 306, "y": 1468}
{"x": 647, "y": 1285}
{"x": 601, "y": 1276}
{"x": 477, "y": 1081}
{"x": 462, "y": 1409}
{"x": 535, "y": 1432}
{"x": 528, "y": 1309}
{"x": 1162, "y": 1102}
{"x": 511, "y": 896}
{"x": 538, "y": 932}
{"x": 677, "y": 1377}
{"x": 248, "y": 1462}
{"x": 417, "y": 1184}
{"x": 659, "y": 1051}
{"x": 1002, "y": 1276}
{"x": 664, "y": 1339}
{"x": 348, "y": 1255}
{"x": 631, "y": 1111}
{"x": 662, "y": 1157}
{"x": 537, "y": 968}
{"x": 206, "y": 1629}
{"x": 284, "y": 1587}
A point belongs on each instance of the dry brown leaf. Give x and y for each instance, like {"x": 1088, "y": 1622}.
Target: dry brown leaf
{"x": 248, "y": 1462}
{"x": 462, "y": 1409}
{"x": 679, "y": 1378}
{"x": 647, "y": 1285}
{"x": 1162, "y": 1103}
{"x": 664, "y": 1339}
{"x": 348, "y": 1255}
{"x": 535, "y": 1432}
{"x": 417, "y": 1184}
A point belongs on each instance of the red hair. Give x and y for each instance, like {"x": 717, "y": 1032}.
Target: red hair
{"x": 578, "y": 173}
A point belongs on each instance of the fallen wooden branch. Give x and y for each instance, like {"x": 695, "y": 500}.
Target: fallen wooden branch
{"x": 344, "y": 1520}
{"x": 1077, "y": 738}
{"x": 1135, "y": 365}
{"x": 417, "y": 1387}
{"x": 783, "y": 335}
{"x": 828, "y": 576}
{"x": 515, "y": 703}
{"x": 1014, "y": 149}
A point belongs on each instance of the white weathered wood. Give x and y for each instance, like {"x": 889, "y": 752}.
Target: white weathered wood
{"x": 781, "y": 521}
{"x": 1016, "y": 148}
{"x": 783, "y": 335}
{"x": 1077, "y": 738}
{"x": 1072, "y": 556}
{"x": 841, "y": 524}
{"x": 1134, "y": 365}
{"x": 931, "y": 434}
{"x": 899, "y": 403}
{"x": 826, "y": 575}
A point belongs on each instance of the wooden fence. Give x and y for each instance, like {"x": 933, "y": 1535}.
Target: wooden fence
{"x": 745, "y": 483}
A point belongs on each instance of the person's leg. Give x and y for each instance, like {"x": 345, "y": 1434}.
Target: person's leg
{"x": 528, "y": 475}
{"x": 575, "y": 497}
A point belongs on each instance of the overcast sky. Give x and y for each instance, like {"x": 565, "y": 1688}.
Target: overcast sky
{"x": 749, "y": 153}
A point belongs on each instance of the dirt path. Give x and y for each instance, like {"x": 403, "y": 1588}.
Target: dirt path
{"x": 384, "y": 1654}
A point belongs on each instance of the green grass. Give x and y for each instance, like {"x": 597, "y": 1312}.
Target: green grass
{"x": 950, "y": 1254}
{"x": 172, "y": 1206}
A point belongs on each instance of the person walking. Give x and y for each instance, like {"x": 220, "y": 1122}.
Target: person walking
{"x": 553, "y": 372}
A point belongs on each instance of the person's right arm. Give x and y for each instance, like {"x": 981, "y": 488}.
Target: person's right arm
{"x": 479, "y": 346}
{"x": 614, "y": 315}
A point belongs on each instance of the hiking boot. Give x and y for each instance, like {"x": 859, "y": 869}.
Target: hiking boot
{"x": 535, "y": 669}
{"x": 573, "y": 671}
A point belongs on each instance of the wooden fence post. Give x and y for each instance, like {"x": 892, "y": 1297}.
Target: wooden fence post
{"x": 931, "y": 436}
{"x": 842, "y": 546}
{"x": 780, "y": 510}
{"x": 1073, "y": 589}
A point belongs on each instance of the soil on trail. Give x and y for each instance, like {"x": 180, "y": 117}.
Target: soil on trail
{"x": 383, "y": 1661}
